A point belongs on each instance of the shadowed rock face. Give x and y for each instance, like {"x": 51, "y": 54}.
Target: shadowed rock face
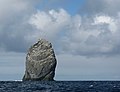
{"x": 40, "y": 62}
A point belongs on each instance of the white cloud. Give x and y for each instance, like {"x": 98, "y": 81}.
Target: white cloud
{"x": 50, "y": 23}
{"x": 103, "y": 19}
{"x": 107, "y": 20}
{"x": 77, "y": 35}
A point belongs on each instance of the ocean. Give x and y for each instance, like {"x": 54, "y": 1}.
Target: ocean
{"x": 60, "y": 86}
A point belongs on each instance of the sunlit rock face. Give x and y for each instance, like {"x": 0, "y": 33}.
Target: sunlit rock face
{"x": 40, "y": 62}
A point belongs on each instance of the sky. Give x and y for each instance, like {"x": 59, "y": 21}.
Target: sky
{"x": 84, "y": 33}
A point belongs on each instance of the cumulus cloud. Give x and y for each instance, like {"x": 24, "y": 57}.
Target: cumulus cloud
{"x": 98, "y": 35}
{"x": 50, "y": 23}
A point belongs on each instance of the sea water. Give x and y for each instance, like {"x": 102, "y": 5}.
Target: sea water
{"x": 60, "y": 86}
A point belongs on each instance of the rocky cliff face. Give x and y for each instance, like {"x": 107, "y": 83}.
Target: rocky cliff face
{"x": 40, "y": 62}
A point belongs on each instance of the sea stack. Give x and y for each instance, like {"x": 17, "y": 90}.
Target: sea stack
{"x": 40, "y": 62}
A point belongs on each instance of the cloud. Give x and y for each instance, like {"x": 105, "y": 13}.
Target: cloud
{"x": 21, "y": 25}
{"x": 94, "y": 68}
{"x": 110, "y": 7}
{"x": 97, "y": 35}
{"x": 12, "y": 66}
{"x": 50, "y": 23}
{"x": 85, "y": 38}
{"x": 14, "y": 15}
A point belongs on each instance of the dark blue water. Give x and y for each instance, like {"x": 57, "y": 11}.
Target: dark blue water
{"x": 60, "y": 86}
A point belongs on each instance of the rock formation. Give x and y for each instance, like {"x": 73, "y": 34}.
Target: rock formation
{"x": 40, "y": 62}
